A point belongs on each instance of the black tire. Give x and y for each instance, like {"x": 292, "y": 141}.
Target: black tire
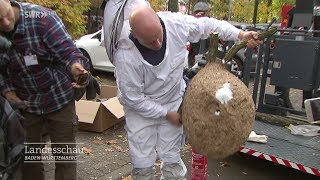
{"x": 285, "y": 96}
{"x": 84, "y": 52}
{"x": 237, "y": 67}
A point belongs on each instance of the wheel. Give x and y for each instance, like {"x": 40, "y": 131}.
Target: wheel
{"x": 285, "y": 96}
{"x": 237, "y": 67}
{"x": 84, "y": 52}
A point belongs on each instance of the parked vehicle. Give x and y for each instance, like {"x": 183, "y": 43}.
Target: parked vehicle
{"x": 291, "y": 149}
{"x": 92, "y": 46}
{"x": 239, "y": 59}
{"x": 237, "y": 63}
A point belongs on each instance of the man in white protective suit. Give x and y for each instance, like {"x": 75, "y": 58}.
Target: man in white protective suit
{"x": 149, "y": 62}
{"x": 116, "y": 21}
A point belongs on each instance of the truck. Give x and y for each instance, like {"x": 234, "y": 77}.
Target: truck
{"x": 295, "y": 64}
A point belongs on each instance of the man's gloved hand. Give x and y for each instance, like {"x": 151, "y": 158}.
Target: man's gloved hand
{"x": 79, "y": 86}
{"x": 86, "y": 84}
{"x": 92, "y": 89}
{"x": 79, "y": 75}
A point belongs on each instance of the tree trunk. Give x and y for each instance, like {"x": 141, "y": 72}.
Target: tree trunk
{"x": 173, "y": 6}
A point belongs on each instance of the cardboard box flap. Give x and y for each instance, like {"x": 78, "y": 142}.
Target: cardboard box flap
{"x": 87, "y": 110}
{"x": 114, "y": 106}
{"x": 108, "y": 91}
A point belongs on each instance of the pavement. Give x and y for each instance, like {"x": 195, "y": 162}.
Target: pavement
{"x": 106, "y": 156}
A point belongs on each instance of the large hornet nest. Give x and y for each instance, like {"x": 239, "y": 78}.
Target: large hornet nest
{"x": 218, "y": 111}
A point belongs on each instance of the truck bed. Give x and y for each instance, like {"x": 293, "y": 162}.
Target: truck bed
{"x": 298, "y": 152}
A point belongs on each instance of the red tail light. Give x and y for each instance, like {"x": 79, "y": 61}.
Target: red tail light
{"x": 272, "y": 45}
{"x": 188, "y": 47}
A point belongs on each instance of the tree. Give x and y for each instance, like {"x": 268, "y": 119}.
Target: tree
{"x": 70, "y": 11}
{"x": 242, "y": 10}
{"x": 95, "y": 3}
{"x": 158, "y": 5}
{"x": 219, "y": 8}
{"x": 277, "y": 5}
{"x": 173, "y": 5}
{"x": 93, "y": 16}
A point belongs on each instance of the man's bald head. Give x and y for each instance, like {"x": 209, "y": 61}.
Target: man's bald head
{"x": 8, "y": 16}
{"x": 4, "y": 7}
{"x": 146, "y": 27}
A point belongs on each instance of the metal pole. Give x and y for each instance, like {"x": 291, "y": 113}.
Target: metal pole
{"x": 230, "y": 10}
{"x": 255, "y": 12}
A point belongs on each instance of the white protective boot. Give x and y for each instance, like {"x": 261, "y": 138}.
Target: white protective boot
{"x": 143, "y": 173}
{"x": 173, "y": 171}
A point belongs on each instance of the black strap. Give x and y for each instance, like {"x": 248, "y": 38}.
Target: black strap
{"x": 103, "y": 4}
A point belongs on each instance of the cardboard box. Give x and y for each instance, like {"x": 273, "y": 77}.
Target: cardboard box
{"x": 99, "y": 116}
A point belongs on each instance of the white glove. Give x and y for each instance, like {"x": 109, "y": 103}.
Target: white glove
{"x": 257, "y": 138}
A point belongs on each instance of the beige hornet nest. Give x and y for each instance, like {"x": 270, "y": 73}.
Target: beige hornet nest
{"x": 214, "y": 129}
{"x": 218, "y": 111}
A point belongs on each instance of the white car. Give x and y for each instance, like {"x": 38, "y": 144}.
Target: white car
{"x": 92, "y": 46}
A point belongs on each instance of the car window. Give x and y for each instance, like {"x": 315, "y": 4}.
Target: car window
{"x": 97, "y": 36}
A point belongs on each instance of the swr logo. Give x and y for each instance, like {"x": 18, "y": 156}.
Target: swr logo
{"x": 37, "y": 14}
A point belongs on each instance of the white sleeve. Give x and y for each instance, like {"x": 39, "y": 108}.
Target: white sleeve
{"x": 201, "y": 28}
{"x": 129, "y": 77}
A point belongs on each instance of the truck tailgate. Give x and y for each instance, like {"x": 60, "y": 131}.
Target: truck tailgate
{"x": 298, "y": 152}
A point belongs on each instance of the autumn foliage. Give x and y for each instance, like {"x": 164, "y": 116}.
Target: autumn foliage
{"x": 70, "y": 11}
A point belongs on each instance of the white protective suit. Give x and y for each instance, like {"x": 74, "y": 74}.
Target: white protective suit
{"x": 148, "y": 92}
{"x": 110, "y": 13}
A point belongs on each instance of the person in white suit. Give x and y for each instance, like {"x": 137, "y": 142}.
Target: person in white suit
{"x": 149, "y": 74}
{"x": 116, "y": 21}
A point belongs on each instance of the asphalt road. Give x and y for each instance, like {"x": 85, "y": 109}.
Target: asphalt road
{"x": 240, "y": 166}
